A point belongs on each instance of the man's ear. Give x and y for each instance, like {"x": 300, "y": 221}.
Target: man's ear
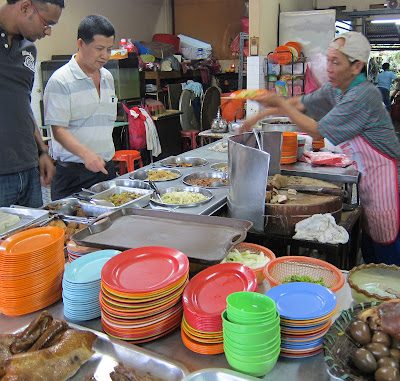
{"x": 25, "y": 6}
{"x": 359, "y": 65}
{"x": 80, "y": 43}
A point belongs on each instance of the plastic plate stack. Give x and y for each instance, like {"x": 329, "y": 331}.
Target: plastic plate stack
{"x": 204, "y": 300}
{"x": 76, "y": 251}
{"x": 31, "y": 270}
{"x": 306, "y": 310}
{"x": 81, "y": 285}
{"x": 141, "y": 293}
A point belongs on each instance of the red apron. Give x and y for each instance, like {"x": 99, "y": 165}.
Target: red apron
{"x": 378, "y": 189}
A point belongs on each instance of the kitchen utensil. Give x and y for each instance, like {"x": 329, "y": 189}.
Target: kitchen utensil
{"x": 104, "y": 185}
{"x": 217, "y": 178}
{"x": 95, "y": 202}
{"x": 236, "y": 124}
{"x": 88, "y": 191}
{"x": 154, "y": 186}
{"x": 257, "y": 138}
{"x": 176, "y": 161}
{"x": 203, "y": 191}
{"x": 316, "y": 189}
{"x": 219, "y": 124}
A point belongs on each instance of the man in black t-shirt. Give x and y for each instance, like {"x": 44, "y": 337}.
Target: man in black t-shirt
{"x": 22, "y": 149}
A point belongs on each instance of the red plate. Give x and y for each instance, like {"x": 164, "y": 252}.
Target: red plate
{"x": 144, "y": 269}
{"x": 205, "y": 295}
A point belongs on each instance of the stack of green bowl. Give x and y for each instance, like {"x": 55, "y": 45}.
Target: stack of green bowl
{"x": 251, "y": 332}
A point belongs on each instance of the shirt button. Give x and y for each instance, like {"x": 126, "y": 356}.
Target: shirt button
{"x": 3, "y": 35}
{"x": 6, "y": 46}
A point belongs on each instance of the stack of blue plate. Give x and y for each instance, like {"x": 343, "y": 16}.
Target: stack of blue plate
{"x": 81, "y": 285}
{"x": 306, "y": 311}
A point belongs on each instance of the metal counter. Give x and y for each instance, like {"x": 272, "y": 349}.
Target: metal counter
{"x": 172, "y": 347}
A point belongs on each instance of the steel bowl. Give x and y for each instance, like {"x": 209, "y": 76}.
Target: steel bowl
{"x": 219, "y": 167}
{"x": 279, "y": 124}
{"x": 217, "y": 176}
{"x": 100, "y": 187}
{"x": 175, "y": 161}
{"x": 142, "y": 174}
{"x": 200, "y": 190}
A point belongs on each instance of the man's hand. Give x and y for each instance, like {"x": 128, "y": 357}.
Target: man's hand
{"x": 94, "y": 162}
{"x": 46, "y": 168}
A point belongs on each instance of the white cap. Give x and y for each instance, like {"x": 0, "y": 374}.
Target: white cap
{"x": 356, "y": 46}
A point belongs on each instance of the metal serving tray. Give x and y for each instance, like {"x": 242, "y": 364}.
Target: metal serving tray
{"x": 142, "y": 174}
{"x": 100, "y": 187}
{"x": 204, "y": 239}
{"x": 139, "y": 202}
{"x": 219, "y": 166}
{"x": 27, "y": 216}
{"x": 197, "y": 175}
{"x": 110, "y": 351}
{"x": 90, "y": 210}
{"x": 193, "y": 189}
{"x": 175, "y": 161}
{"x": 218, "y": 374}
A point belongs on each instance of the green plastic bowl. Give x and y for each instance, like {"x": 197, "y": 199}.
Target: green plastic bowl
{"x": 250, "y": 347}
{"x": 256, "y": 369}
{"x": 249, "y": 304}
{"x": 239, "y": 319}
{"x": 253, "y": 338}
{"x": 269, "y": 349}
{"x": 249, "y": 328}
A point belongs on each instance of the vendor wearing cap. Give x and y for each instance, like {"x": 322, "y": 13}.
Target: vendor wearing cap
{"x": 350, "y": 114}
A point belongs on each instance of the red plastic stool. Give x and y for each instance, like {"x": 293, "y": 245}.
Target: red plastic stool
{"x": 129, "y": 157}
{"x": 191, "y": 143}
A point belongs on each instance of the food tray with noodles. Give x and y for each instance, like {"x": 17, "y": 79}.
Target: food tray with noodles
{"x": 100, "y": 187}
{"x": 175, "y": 161}
{"x": 219, "y": 167}
{"x": 156, "y": 174}
{"x": 27, "y": 216}
{"x": 338, "y": 346}
{"x": 187, "y": 191}
{"x": 206, "y": 179}
{"x": 204, "y": 239}
{"x": 109, "y": 352}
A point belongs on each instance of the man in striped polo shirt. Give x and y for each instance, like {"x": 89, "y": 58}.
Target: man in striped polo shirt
{"x": 351, "y": 114}
{"x": 81, "y": 107}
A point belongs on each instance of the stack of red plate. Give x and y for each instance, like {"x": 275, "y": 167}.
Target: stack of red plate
{"x": 76, "y": 251}
{"x": 204, "y": 300}
{"x": 141, "y": 293}
{"x": 31, "y": 270}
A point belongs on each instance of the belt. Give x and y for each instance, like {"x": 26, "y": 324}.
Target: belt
{"x": 70, "y": 164}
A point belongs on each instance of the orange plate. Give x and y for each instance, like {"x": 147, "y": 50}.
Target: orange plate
{"x": 295, "y": 45}
{"x": 248, "y": 93}
{"x": 203, "y": 348}
{"x": 284, "y": 55}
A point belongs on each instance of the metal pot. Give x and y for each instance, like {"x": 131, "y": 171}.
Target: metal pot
{"x": 280, "y": 124}
{"x": 219, "y": 125}
{"x": 236, "y": 124}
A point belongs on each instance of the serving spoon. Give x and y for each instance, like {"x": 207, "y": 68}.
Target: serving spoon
{"x": 106, "y": 203}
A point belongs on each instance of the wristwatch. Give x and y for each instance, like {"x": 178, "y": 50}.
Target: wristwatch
{"x": 42, "y": 151}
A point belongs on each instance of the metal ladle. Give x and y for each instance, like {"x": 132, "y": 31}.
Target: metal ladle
{"x": 155, "y": 188}
{"x": 257, "y": 138}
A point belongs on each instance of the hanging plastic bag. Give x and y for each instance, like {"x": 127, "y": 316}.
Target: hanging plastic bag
{"x": 309, "y": 83}
{"x": 137, "y": 128}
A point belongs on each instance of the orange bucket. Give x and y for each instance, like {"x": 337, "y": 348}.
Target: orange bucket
{"x": 229, "y": 107}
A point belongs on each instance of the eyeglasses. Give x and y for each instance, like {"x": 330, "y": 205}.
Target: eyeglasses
{"x": 44, "y": 22}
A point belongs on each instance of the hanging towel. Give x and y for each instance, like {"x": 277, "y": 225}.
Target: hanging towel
{"x": 196, "y": 88}
{"x": 152, "y": 139}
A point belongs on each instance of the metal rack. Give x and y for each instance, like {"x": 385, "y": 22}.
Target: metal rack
{"x": 241, "y": 73}
{"x": 293, "y": 62}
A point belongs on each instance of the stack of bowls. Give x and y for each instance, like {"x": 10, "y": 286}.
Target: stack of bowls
{"x": 289, "y": 148}
{"x": 251, "y": 332}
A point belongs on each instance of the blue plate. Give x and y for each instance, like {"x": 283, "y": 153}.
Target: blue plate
{"x": 302, "y": 301}
{"x": 88, "y": 268}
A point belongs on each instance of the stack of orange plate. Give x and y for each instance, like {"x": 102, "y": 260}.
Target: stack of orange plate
{"x": 204, "y": 299}
{"x": 318, "y": 144}
{"x": 141, "y": 293}
{"x": 289, "y": 148}
{"x": 31, "y": 270}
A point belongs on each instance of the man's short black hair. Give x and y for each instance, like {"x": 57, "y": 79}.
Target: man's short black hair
{"x": 385, "y": 66}
{"x": 92, "y": 25}
{"x": 60, "y": 3}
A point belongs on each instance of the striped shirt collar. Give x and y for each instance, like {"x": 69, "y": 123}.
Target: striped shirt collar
{"x": 357, "y": 80}
{"x": 78, "y": 72}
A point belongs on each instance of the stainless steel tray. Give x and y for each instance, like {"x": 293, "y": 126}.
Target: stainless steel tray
{"x": 193, "y": 189}
{"x": 204, "y": 239}
{"x": 90, "y": 210}
{"x": 218, "y": 374}
{"x": 175, "y": 161}
{"x": 140, "y": 202}
{"x": 110, "y": 351}
{"x": 142, "y": 174}
{"x": 100, "y": 187}
{"x": 219, "y": 167}
{"x": 197, "y": 175}
{"x": 27, "y": 216}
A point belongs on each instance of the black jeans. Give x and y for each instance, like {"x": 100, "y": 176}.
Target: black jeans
{"x": 72, "y": 177}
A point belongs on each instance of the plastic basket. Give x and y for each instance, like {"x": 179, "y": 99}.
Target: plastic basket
{"x": 278, "y": 269}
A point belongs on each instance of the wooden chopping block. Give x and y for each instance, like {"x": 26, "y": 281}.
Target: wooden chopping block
{"x": 280, "y": 219}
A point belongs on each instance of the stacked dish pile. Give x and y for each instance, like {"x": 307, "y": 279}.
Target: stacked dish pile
{"x": 31, "y": 270}
{"x": 204, "y": 299}
{"x": 306, "y": 310}
{"x": 289, "y": 148}
{"x": 141, "y": 293}
{"x": 81, "y": 285}
{"x": 251, "y": 332}
{"x": 76, "y": 251}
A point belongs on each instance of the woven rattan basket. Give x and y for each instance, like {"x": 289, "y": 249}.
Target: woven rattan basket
{"x": 338, "y": 346}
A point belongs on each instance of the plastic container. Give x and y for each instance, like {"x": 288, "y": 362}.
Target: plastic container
{"x": 122, "y": 43}
{"x": 249, "y": 328}
{"x": 129, "y": 46}
{"x": 168, "y": 39}
{"x": 194, "y": 49}
{"x": 231, "y": 106}
{"x": 250, "y": 304}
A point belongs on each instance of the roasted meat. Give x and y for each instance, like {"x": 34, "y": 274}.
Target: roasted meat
{"x": 384, "y": 317}
{"x": 123, "y": 373}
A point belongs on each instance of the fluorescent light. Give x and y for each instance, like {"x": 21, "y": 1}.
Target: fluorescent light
{"x": 385, "y": 21}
